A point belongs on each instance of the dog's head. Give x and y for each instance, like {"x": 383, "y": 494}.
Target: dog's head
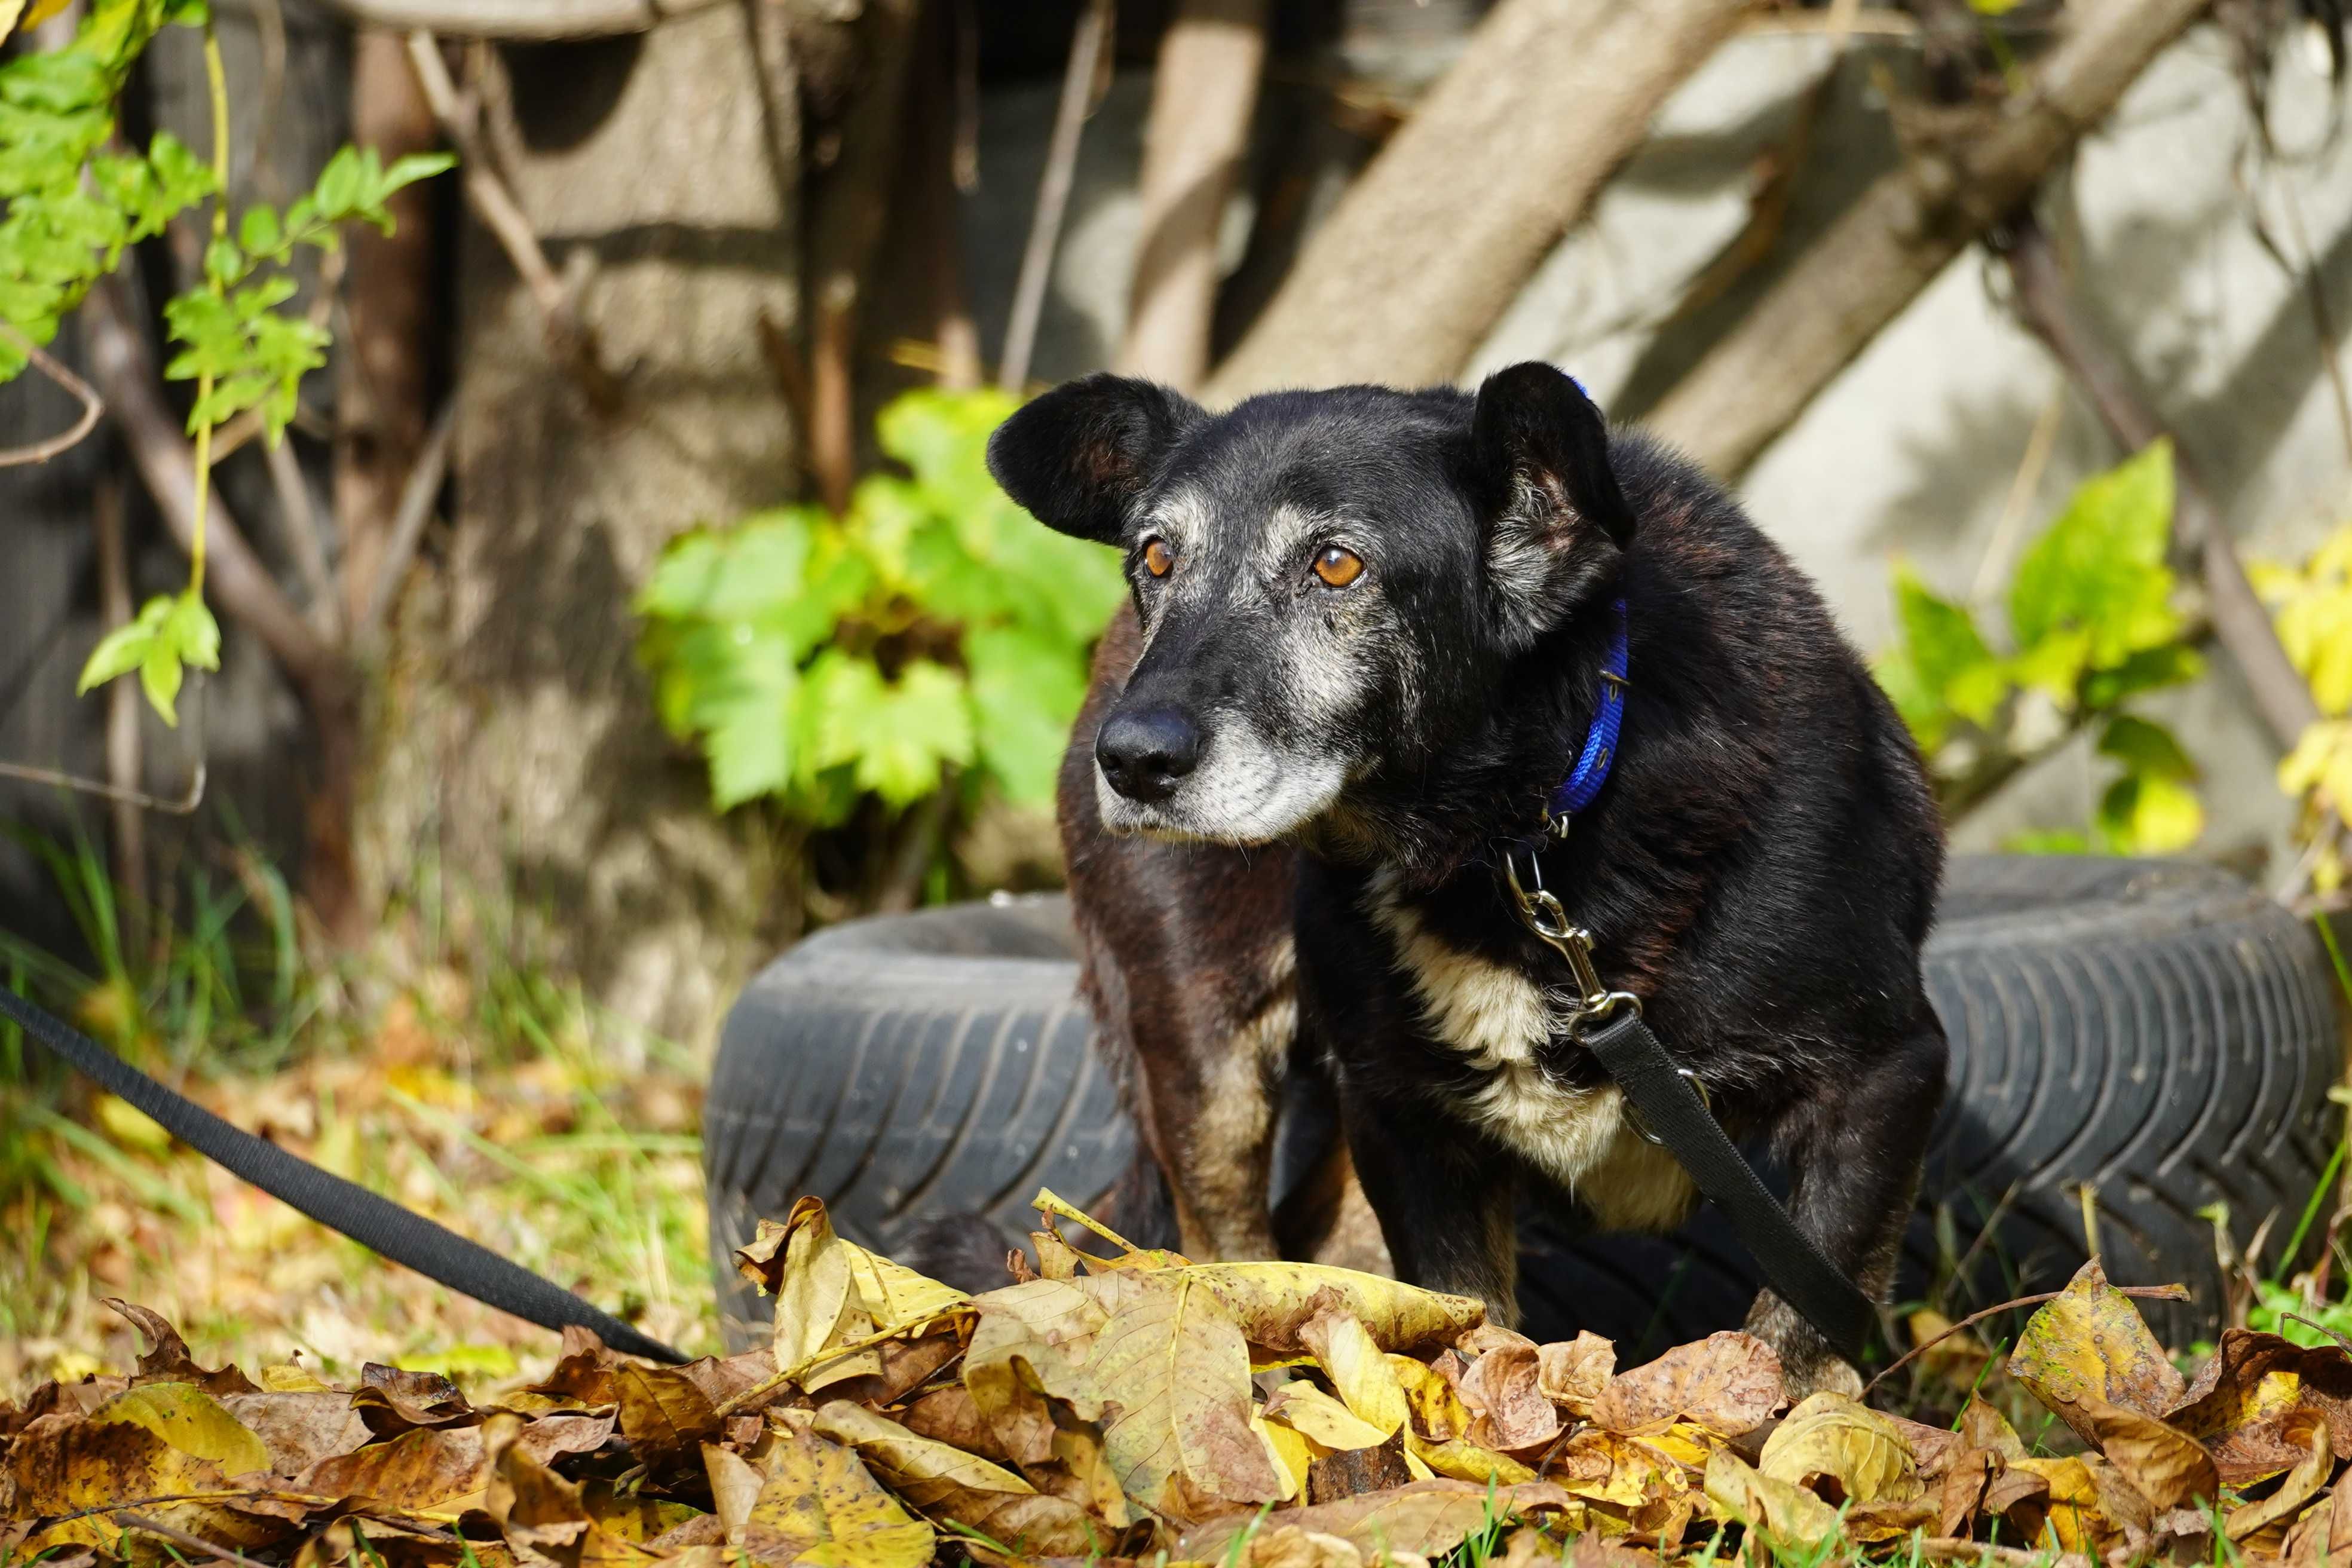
{"x": 1328, "y": 581}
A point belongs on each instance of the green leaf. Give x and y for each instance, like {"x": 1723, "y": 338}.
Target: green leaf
{"x": 120, "y": 650}
{"x": 1025, "y": 691}
{"x": 2143, "y": 815}
{"x": 1946, "y": 651}
{"x": 2100, "y": 566}
{"x": 158, "y": 675}
{"x": 1923, "y": 709}
{"x": 896, "y": 737}
{"x": 2049, "y": 841}
{"x": 259, "y": 232}
{"x": 2150, "y": 669}
{"x": 223, "y": 263}
{"x": 2054, "y": 665}
{"x": 190, "y": 631}
{"x": 409, "y": 168}
{"x": 749, "y": 718}
{"x": 2147, "y": 750}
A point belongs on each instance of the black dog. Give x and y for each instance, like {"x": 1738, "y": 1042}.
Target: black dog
{"x": 1366, "y": 646}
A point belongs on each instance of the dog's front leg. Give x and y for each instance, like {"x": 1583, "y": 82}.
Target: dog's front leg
{"x": 1854, "y": 1154}
{"x": 1443, "y": 1197}
{"x": 1210, "y": 1089}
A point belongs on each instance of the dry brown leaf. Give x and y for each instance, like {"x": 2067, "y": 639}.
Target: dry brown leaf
{"x": 1502, "y": 1387}
{"x": 951, "y": 1484}
{"x": 2317, "y": 1539}
{"x": 1842, "y": 1449}
{"x": 2091, "y": 1342}
{"x": 2162, "y": 1463}
{"x": 2302, "y": 1483}
{"x": 1288, "y": 1546}
{"x": 168, "y": 1360}
{"x": 1426, "y": 1518}
{"x": 1962, "y": 1490}
{"x": 1025, "y": 1337}
{"x": 63, "y": 1464}
{"x": 299, "y": 1429}
{"x": 1785, "y": 1513}
{"x": 1622, "y": 1472}
{"x": 582, "y": 1371}
{"x": 1594, "y": 1552}
{"x": 391, "y": 1401}
{"x": 539, "y": 1513}
{"x": 427, "y": 1469}
{"x": 1573, "y": 1373}
{"x": 949, "y": 1416}
{"x": 663, "y": 1414}
{"x": 2243, "y": 1398}
{"x": 650, "y": 1521}
{"x": 1933, "y": 1448}
{"x": 1727, "y": 1383}
{"x": 1982, "y": 1427}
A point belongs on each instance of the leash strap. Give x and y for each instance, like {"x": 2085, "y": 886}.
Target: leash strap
{"x": 375, "y": 1223}
{"x": 1677, "y": 1117}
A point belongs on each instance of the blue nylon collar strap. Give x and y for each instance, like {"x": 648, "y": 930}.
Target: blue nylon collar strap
{"x": 1583, "y": 785}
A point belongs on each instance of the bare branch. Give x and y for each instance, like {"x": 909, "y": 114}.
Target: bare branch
{"x": 1873, "y": 261}
{"x": 302, "y": 535}
{"x": 119, "y": 360}
{"x": 56, "y": 369}
{"x": 1443, "y": 229}
{"x": 2239, "y": 622}
{"x": 527, "y": 19}
{"x": 1204, "y": 93}
{"x": 408, "y": 524}
{"x": 1053, "y": 194}
{"x": 568, "y": 337}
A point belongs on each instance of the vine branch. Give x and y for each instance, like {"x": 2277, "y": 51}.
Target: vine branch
{"x": 49, "y": 364}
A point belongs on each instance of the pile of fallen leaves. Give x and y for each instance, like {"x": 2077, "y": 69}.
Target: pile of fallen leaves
{"x": 1137, "y": 1404}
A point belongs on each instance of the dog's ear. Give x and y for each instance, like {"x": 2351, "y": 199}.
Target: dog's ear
{"x": 1077, "y": 457}
{"x": 1541, "y": 451}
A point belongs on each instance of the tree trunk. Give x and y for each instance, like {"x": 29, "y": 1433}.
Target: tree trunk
{"x": 522, "y": 753}
{"x": 1202, "y": 97}
{"x": 1438, "y": 234}
{"x": 1904, "y": 231}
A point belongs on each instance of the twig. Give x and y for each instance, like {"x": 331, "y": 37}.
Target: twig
{"x": 2031, "y": 466}
{"x": 56, "y": 370}
{"x": 537, "y": 20}
{"x": 302, "y": 532}
{"x": 1960, "y": 1549}
{"x": 124, "y": 765}
{"x": 2143, "y": 1292}
{"x": 185, "y": 805}
{"x": 178, "y": 1537}
{"x": 1053, "y": 194}
{"x": 408, "y": 521}
{"x": 2240, "y": 621}
{"x": 567, "y": 336}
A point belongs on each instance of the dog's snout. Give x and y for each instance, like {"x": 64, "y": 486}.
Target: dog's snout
{"x": 1146, "y": 755}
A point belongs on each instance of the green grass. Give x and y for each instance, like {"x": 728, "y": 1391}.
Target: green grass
{"x": 482, "y": 1093}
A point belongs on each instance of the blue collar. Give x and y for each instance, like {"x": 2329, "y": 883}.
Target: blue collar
{"x": 1583, "y": 785}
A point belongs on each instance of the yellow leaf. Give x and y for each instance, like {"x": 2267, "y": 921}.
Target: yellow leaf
{"x": 1837, "y": 1437}
{"x": 1314, "y": 1415}
{"x": 946, "y": 1482}
{"x": 1290, "y": 1453}
{"x": 1611, "y": 1468}
{"x": 1787, "y": 1515}
{"x": 818, "y": 1506}
{"x": 190, "y": 1420}
{"x": 1358, "y": 1368}
{"x": 1437, "y": 1412}
{"x": 813, "y": 1288}
{"x": 2073, "y": 1505}
{"x": 894, "y": 1296}
{"x": 9, "y": 11}
{"x": 1274, "y": 1301}
{"x": 130, "y": 1126}
{"x": 2092, "y": 1341}
{"x": 1465, "y": 1460}
{"x": 86, "y": 1468}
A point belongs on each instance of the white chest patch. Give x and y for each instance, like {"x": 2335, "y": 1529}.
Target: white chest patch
{"x": 1500, "y": 1020}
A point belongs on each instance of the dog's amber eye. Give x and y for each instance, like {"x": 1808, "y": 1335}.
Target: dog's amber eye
{"x": 1157, "y": 558}
{"x": 1338, "y": 567}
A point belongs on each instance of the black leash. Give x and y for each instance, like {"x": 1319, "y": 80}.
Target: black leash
{"x": 1678, "y": 1118}
{"x": 375, "y": 1223}
{"x": 1674, "y": 1115}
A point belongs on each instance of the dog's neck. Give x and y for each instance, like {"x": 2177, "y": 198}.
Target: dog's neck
{"x": 1485, "y": 781}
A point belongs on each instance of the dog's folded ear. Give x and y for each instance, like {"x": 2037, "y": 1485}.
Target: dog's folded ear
{"x": 1078, "y": 457}
{"x": 1541, "y": 453}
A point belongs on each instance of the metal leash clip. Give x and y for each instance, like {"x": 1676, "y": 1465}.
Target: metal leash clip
{"x": 1542, "y": 914}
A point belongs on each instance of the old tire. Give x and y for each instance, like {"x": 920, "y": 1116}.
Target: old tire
{"x": 2156, "y": 1029}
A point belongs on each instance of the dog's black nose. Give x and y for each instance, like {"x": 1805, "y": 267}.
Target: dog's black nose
{"x": 1145, "y": 755}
